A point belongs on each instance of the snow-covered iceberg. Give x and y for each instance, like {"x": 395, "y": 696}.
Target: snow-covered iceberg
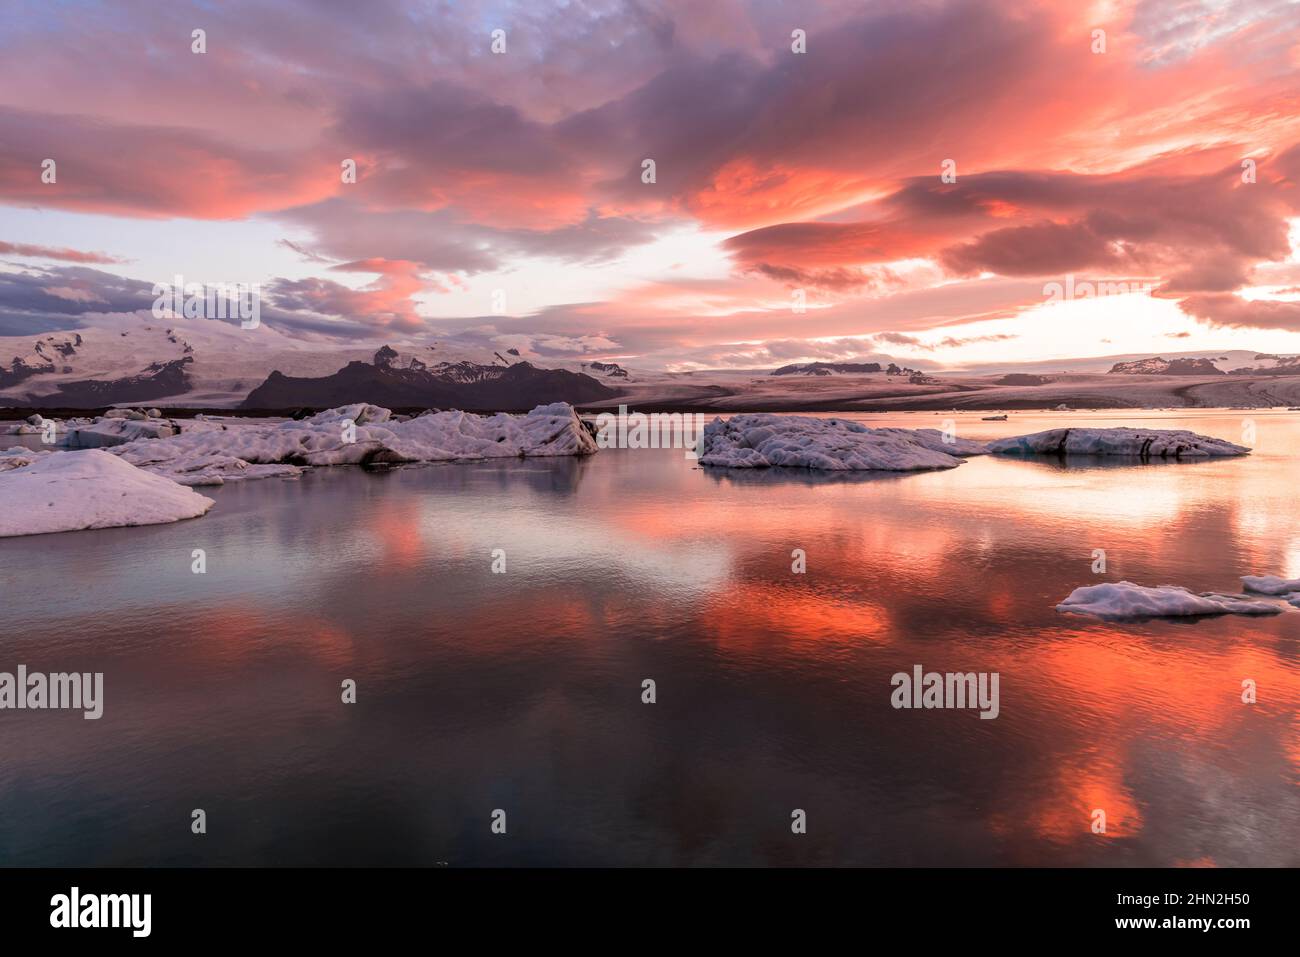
{"x": 1126, "y": 600}
{"x": 1270, "y": 584}
{"x": 1132, "y": 443}
{"x": 66, "y": 491}
{"x": 760, "y": 440}
{"x": 355, "y": 435}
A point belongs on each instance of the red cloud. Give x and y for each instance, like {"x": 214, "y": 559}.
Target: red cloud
{"x": 50, "y": 252}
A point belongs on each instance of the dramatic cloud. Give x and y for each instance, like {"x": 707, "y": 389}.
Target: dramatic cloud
{"x": 1172, "y": 158}
{"x": 1227, "y": 310}
{"x": 388, "y": 302}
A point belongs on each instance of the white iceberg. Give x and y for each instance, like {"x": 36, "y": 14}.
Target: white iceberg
{"x": 1270, "y": 584}
{"x": 762, "y": 440}
{"x": 108, "y": 431}
{"x": 1133, "y": 443}
{"x": 67, "y": 491}
{"x": 1114, "y": 600}
{"x": 355, "y": 435}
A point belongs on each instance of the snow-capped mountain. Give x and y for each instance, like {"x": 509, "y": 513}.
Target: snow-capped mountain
{"x": 202, "y": 363}
{"x": 1266, "y": 364}
{"x": 1235, "y": 362}
{"x": 829, "y": 368}
{"x": 1158, "y": 365}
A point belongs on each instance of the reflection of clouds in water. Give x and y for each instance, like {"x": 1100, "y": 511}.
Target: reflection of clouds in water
{"x": 814, "y": 623}
{"x": 558, "y": 475}
{"x": 1223, "y": 815}
{"x": 580, "y": 547}
{"x": 690, "y": 570}
{"x": 1153, "y": 703}
{"x": 1134, "y": 494}
{"x": 1291, "y": 562}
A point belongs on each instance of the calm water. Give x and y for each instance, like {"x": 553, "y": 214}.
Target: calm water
{"x": 522, "y": 691}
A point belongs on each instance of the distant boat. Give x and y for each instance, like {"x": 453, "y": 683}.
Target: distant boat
{"x": 994, "y": 418}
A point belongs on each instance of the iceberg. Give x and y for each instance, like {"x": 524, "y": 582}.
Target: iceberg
{"x": 67, "y": 491}
{"x": 763, "y": 440}
{"x": 1133, "y": 443}
{"x": 35, "y": 424}
{"x": 1270, "y": 584}
{"x": 108, "y": 431}
{"x": 358, "y": 434}
{"x": 1114, "y": 600}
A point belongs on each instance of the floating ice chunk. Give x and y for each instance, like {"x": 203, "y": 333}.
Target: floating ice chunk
{"x": 1270, "y": 584}
{"x": 360, "y": 413}
{"x": 35, "y": 424}
{"x": 548, "y": 430}
{"x": 1127, "y": 600}
{"x": 1135, "y": 443}
{"x": 761, "y": 440}
{"x": 356, "y": 435}
{"x": 18, "y": 457}
{"x": 66, "y": 491}
{"x": 117, "y": 430}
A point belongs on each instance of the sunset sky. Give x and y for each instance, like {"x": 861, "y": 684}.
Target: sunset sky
{"x": 776, "y": 172}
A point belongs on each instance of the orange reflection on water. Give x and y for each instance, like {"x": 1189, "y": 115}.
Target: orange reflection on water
{"x": 401, "y": 535}
{"x": 753, "y": 616}
{"x": 232, "y": 632}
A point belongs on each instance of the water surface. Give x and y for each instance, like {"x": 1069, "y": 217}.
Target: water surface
{"x": 522, "y": 691}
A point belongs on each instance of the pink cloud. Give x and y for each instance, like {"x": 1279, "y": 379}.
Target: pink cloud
{"x": 50, "y": 252}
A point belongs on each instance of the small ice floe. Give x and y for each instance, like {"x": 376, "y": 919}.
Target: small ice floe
{"x": 358, "y": 434}
{"x": 18, "y": 457}
{"x": 35, "y": 424}
{"x": 67, "y": 491}
{"x": 1114, "y": 600}
{"x": 1133, "y": 443}
{"x": 1270, "y": 584}
{"x": 761, "y": 440}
